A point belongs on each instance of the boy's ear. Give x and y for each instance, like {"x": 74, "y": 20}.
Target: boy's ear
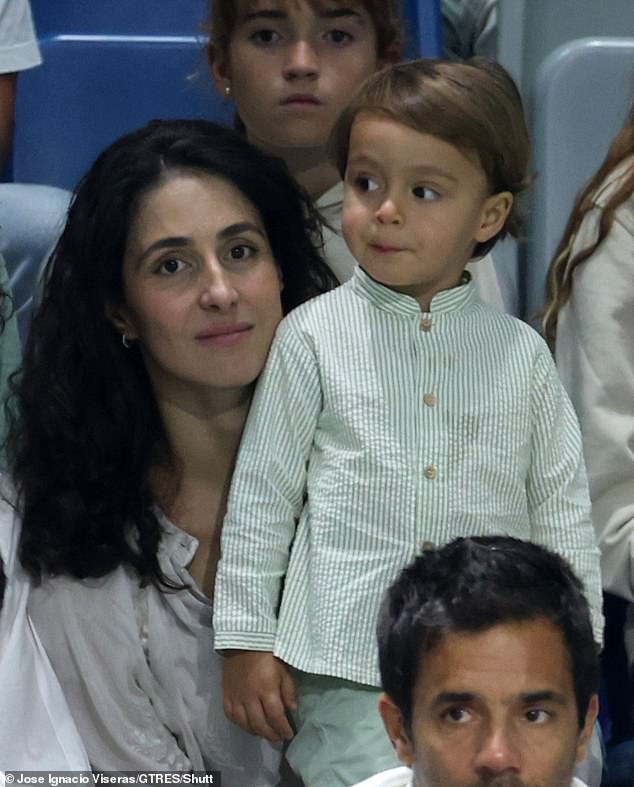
{"x": 395, "y": 728}
{"x": 494, "y": 213}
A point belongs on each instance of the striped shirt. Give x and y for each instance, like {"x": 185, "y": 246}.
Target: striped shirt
{"x": 375, "y": 428}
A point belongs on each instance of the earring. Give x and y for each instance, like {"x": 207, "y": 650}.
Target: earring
{"x": 126, "y": 341}
{"x": 227, "y": 90}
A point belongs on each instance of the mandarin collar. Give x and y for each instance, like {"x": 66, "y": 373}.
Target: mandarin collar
{"x": 456, "y": 299}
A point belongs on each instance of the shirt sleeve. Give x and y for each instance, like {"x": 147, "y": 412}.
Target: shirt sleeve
{"x": 90, "y": 632}
{"x": 267, "y": 495}
{"x": 595, "y": 356}
{"x": 18, "y": 44}
{"x": 557, "y": 488}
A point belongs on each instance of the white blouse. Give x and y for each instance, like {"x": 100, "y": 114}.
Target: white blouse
{"x": 140, "y": 673}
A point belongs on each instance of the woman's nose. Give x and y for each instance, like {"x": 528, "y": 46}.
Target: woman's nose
{"x": 218, "y": 290}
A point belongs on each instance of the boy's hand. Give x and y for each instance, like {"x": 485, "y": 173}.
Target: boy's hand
{"x": 258, "y": 689}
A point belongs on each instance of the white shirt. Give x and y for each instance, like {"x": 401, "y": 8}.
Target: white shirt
{"x": 140, "y": 673}
{"x": 402, "y": 777}
{"x": 36, "y": 729}
{"x": 18, "y": 45}
{"x": 595, "y": 358}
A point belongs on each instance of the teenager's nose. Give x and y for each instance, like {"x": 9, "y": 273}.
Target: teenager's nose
{"x": 217, "y": 290}
{"x": 388, "y": 212}
{"x": 497, "y": 753}
{"x": 302, "y": 60}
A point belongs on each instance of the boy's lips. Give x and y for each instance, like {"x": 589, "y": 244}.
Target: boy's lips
{"x": 384, "y": 248}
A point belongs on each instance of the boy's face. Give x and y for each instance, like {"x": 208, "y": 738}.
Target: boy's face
{"x": 495, "y": 707}
{"x": 293, "y": 66}
{"x": 414, "y": 207}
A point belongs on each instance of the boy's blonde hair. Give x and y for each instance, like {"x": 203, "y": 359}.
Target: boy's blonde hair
{"x": 474, "y": 106}
{"x": 223, "y": 16}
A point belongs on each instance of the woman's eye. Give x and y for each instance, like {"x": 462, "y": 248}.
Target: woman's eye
{"x": 364, "y": 183}
{"x": 241, "y": 252}
{"x": 170, "y": 266}
{"x": 338, "y": 37}
{"x": 265, "y": 37}
{"x": 425, "y": 193}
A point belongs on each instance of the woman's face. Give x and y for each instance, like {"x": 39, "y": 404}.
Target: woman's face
{"x": 202, "y": 290}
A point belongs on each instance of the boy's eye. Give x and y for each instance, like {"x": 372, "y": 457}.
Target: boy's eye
{"x": 338, "y": 37}
{"x": 170, "y": 266}
{"x": 365, "y": 183}
{"x": 265, "y": 37}
{"x": 425, "y": 193}
{"x": 241, "y": 251}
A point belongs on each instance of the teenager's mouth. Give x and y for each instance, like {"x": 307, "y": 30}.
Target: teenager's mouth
{"x": 301, "y": 99}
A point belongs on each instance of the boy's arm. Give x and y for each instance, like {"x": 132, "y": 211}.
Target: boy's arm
{"x": 266, "y": 498}
{"x": 557, "y": 487}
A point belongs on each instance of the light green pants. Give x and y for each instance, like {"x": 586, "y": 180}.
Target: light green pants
{"x": 340, "y": 738}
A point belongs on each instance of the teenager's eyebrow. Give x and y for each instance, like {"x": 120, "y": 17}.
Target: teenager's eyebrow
{"x": 265, "y": 13}
{"x": 279, "y": 14}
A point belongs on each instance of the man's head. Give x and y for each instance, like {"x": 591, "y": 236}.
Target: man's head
{"x": 488, "y": 665}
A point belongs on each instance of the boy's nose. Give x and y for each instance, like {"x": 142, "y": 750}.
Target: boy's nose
{"x": 302, "y": 60}
{"x": 388, "y": 212}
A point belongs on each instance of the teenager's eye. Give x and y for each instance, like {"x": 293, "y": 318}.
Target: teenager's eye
{"x": 538, "y": 716}
{"x": 425, "y": 193}
{"x": 338, "y": 37}
{"x": 170, "y": 266}
{"x": 364, "y": 183}
{"x": 265, "y": 37}
{"x": 241, "y": 252}
{"x": 457, "y": 715}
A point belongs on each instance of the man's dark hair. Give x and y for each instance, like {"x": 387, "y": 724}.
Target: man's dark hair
{"x": 2, "y": 584}
{"x": 471, "y": 585}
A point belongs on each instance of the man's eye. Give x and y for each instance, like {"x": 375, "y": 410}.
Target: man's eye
{"x": 425, "y": 193}
{"x": 457, "y": 715}
{"x": 537, "y": 716}
{"x": 265, "y": 37}
{"x": 338, "y": 37}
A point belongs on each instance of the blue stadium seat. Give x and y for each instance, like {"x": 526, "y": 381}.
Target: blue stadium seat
{"x": 93, "y": 88}
{"x": 583, "y": 91}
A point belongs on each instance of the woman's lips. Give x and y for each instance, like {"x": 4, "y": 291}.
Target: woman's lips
{"x": 224, "y": 335}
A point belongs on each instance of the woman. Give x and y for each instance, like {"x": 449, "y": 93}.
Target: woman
{"x": 183, "y": 248}
{"x": 589, "y": 320}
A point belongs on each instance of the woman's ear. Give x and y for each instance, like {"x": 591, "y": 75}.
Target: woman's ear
{"x": 119, "y": 317}
{"x": 494, "y": 213}
{"x": 395, "y": 728}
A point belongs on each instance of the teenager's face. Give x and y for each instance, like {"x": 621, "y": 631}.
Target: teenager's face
{"x": 202, "y": 289}
{"x": 293, "y": 67}
{"x": 493, "y": 709}
{"x": 414, "y": 207}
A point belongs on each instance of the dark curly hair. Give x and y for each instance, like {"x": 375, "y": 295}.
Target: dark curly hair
{"x": 85, "y": 428}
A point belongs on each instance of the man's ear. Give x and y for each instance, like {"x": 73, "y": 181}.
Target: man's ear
{"x": 588, "y": 726}
{"x": 395, "y": 728}
{"x": 494, "y": 213}
{"x": 118, "y": 316}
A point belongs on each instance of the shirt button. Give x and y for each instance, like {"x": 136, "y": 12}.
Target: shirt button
{"x": 429, "y": 399}
{"x": 431, "y": 472}
{"x": 425, "y": 325}
{"x": 427, "y": 546}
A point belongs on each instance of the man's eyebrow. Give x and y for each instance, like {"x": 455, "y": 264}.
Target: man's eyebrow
{"x": 451, "y": 697}
{"x": 535, "y": 697}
